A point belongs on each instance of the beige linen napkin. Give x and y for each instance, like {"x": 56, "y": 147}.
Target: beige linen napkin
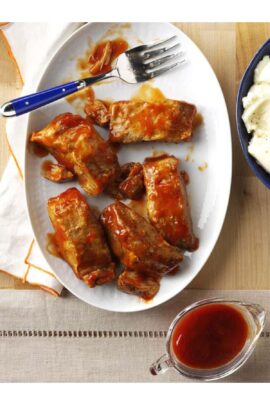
{"x": 31, "y": 45}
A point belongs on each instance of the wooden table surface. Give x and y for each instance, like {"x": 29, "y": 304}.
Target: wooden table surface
{"x": 241, "y": 257}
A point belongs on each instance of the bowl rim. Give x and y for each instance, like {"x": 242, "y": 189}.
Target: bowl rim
{"x": 258, "y": 170}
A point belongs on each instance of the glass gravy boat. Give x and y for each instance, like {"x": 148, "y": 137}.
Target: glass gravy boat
{"x": 254, "y": 316}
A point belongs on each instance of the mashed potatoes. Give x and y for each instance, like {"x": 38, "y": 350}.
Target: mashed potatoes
{"x": 256, "y": 114}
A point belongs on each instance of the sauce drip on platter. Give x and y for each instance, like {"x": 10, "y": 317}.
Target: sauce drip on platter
{"x": 104, "y": 54}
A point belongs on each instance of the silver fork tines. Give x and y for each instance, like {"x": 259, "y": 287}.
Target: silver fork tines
{"x": 157, "y": 72}
{"x": 139, "y": 64}
{"x": 160, "y": 51}
{"x": 157, "y": 62}
{"x": 148, "y": 47}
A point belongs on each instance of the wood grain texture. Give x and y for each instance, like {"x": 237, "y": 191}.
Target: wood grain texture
{"x": 241, "y": 257}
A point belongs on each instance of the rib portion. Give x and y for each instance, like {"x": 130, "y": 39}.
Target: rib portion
{"x": 167, "y": 202}
{"x": 128, "y": 183}
{"x": 137, "y": 243}
{"x": 142, "y": 284}
{"x": 144, "y": 253}
{"x": 80, "y": 238}
{"x": 98, "y": 111}
{"x": 75, "y": 143}
{"x": 136, "y": 121}
{"x": 56, "y": 172}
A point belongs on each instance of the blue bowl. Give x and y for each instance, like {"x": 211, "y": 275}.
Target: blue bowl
{"x": 244, "y": 136}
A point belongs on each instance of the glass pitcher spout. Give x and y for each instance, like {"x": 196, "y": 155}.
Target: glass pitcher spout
{"x": 258, "y": 315}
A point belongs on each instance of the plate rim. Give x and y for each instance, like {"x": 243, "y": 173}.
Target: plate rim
{"x": 228, "y": 169}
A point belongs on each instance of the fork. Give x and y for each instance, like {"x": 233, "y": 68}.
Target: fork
{"x": 139, "y": 64}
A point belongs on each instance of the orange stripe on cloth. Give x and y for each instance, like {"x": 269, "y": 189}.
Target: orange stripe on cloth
{"x": 11, "y": 55}
{"x": 29, "y": 251}
{"x": 41, "y": 269}
{"x": 47, "y": 289}
{"x": 26, "y": 274}
{"x": 26, "y": 261}
{"x": 43, "y": 287}
{"x": 11, "y": 274}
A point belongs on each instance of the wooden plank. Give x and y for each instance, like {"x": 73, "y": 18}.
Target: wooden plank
{"x": 240, "y": 259}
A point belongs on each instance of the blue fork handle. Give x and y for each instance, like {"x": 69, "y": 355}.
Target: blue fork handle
{"x": 31, "y": 102}
{"x": 25, "y": 104}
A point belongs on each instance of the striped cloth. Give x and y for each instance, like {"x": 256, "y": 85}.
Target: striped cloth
{"x": 30, "y": 45}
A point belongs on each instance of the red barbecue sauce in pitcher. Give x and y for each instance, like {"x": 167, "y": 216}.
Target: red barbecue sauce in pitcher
{"x": 209, "y": 336}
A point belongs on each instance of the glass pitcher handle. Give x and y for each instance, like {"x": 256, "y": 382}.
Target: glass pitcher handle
{"x": 161, "y": 365}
